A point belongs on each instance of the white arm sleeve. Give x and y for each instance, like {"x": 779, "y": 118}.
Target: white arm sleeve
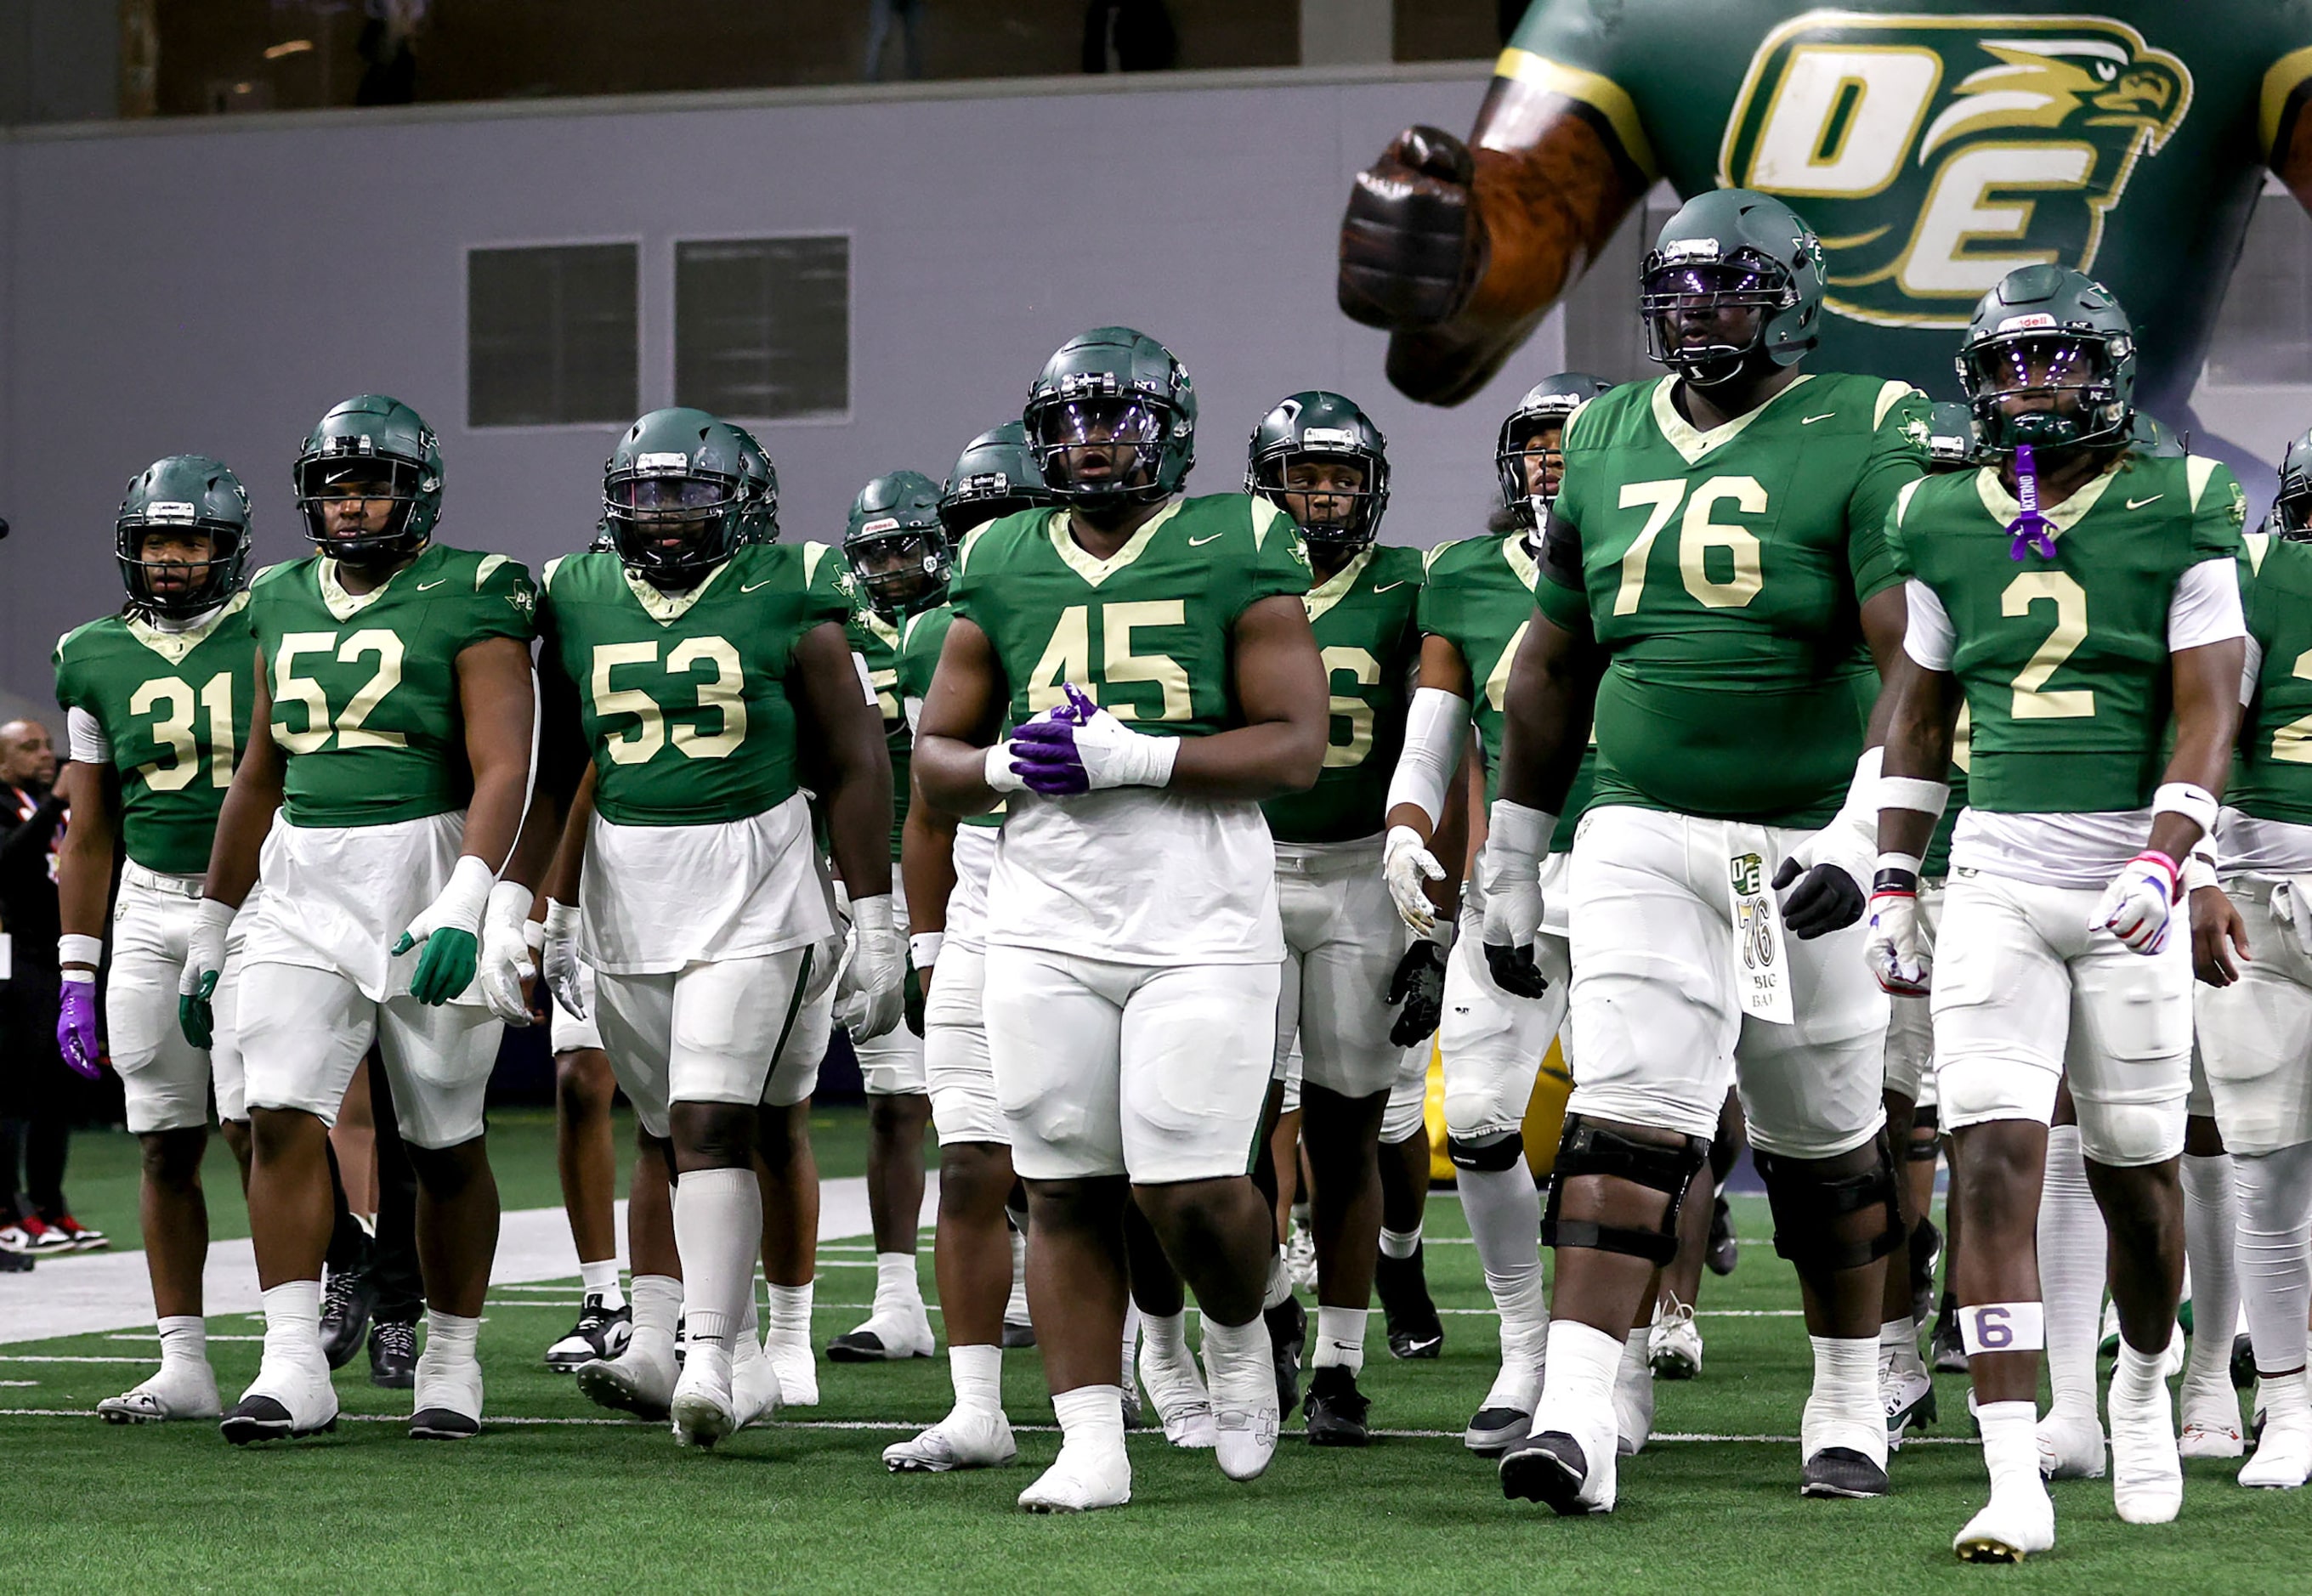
{"x": 84, "y": 734}
{"x": 2251, "y": 667}
{"x": 866, "y": 680}
{"x": 1927, "y": 635}
{"x": 1435, "y": 727}
{"x": 2206, "y": 606}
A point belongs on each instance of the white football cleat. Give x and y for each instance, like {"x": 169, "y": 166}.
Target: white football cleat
{"x": 638, "y": 1381}
{"x": 1908, "y": 1397}
{"x": 446, "y": 1404}
{"x": 2013, "y": 1525}
{"x": 1183, "y": 1404}
{"x": 1300, "y": 1258}
{"x": 1244, "y": 1440}
{"x": 289, "y": 1398}
{"x": 967, "y": 1438}
{"x": 797, "y": 1369}
{"x": 2283, "y": 1455}
{"x": 1674, "y": 1341}
{"x": 185, "y": 1389}
{"x": 704, "y": 1411}
{"x": 1081, "y": 1481}
{"x": 2211, "y": 1426}
{"x": 754, "y": 1382}
{"x": 2147, "y": 1476}
{"x": 1633, "y": 1406}
{"x": 2070, "y": 1446}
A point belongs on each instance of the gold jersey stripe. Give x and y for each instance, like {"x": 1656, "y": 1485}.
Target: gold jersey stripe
{"x": 1600, "y": 95}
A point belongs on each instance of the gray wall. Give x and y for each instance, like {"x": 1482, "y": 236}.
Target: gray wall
{"x": 215, "y": 286}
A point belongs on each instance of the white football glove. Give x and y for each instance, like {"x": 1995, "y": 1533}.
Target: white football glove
{"x": 2136, "y": 906}
{"x": 505, "y": 951}
{"x": 557, "y": 958}
{"x": 1509, "y": 873}
{"x": 1406, "y": 862}
{"x": 1896, "y": 951}
{"x": 873, "y": 996}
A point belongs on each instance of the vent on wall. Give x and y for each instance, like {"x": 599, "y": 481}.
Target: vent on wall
{"x": 2264, "y": 335}
{"x": 550, "y": 335}
{"x": 762, "y": 328}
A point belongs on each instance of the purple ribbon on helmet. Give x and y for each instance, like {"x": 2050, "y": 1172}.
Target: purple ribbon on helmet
{"x": 2031, "y": 530}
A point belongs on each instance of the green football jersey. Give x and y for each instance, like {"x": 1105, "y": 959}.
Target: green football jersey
{"x": 1363, "y": 618}
{"x": 877, "y": 641}
{"x": 1937, "y": 145}
{"x": 1723, "y": 574}
{"x": 365, "y": 686}
{"x": 2064, "y": 662}
{"x": 920, "y": 642}
{"x": 682, "y": 697}
{"x": 1146, "y": 632}
{"x": 174, "y": 705}
{"x": 2272, "y": 779}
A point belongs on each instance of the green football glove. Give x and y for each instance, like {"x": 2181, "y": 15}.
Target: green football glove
{"x": 204, "y": 968}
{"x": 450, "y": 931}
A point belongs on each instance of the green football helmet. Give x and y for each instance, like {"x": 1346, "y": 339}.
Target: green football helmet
{"x": 183, "y": 494}
{"x": 1730, "y": 250}
{"x": 1317, "y": 425}
{"x": 674, "y": 495}
{"x": 995, "y": 476}
{"x": 370, "y": 447}
{"x": 1108, "y": 389}
{"x": 759, "y": 522}
{"x": 2291, "y": 511}
{"x": 1951, "y": 436}
{"x": 896, "y": 546}
{"x": 1548, "y": 403}
{"x": 2048, "y": 331}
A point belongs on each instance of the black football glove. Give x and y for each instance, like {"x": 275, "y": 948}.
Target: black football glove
{"x": 1419, "y": 985}
{"x": 1825, "y": 899}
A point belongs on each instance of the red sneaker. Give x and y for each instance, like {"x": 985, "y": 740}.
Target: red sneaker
{"x": 79, "y": 1237}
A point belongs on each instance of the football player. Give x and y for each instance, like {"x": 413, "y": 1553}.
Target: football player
{"x": 948, "y": 865}
{"x": 2082, "y": 598}
{"x": 703, "y": 909}
{"x": 1712, "y": 570}
{"x": 157, "y": 701}
{"x": 1477, "y": 607}
{"x": 385, "y": 778}
{"x": 2253, "y": 1016}
{"x": 1354, "y": 995}
{"x": 899, "y": 556}
{"x": 1132, "y": 932}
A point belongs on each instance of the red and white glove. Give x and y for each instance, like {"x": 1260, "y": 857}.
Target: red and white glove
{"x": 2136, "y": 906}
{"x": 1896, "y": 953}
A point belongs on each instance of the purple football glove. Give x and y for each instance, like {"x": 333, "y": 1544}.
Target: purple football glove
{"x": 76, "y": 1037}
{"x": 1045, "y": 755}
{"x": 1080, "y": 747}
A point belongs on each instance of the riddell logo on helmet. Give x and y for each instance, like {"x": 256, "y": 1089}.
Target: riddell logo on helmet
{"x": 1678, "y": 250}
{"x": 882, "y": 523}
{"x": 1936, "y": 154}
{"x": 2023, "y": 324}
{"x": 673, "y": 460}
{"x": 170, "y": 510}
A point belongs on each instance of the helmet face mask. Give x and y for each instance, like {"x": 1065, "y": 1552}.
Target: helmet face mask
{"x": 675, "y": 497}
{"x": 895, "y": 545}
{"x": 369, "y": 482}
{"x": 1327, "y": 496}
{"x": 181, "y": 538}
{"x": 1103, "y": 445}
{"x": 2292, "y": 511}
{"x": 2049, "y": 362}
{"x": 1111, "y": 423}
{"x": 759, "y": 490}
{"x": 1528, "y": 451}
{"x": 1707, "y": 318}
{"x": 1319, "y": 458}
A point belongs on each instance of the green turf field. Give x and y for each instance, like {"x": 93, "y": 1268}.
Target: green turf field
{"x": 556, "y": 1496}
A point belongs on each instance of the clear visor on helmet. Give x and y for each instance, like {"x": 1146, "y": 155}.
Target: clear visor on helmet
{"x": 899, "y": 568}
{"x": 1106, "y": 419}
{"x": 676, "y": 497}
{"x": 2036, "y": 363}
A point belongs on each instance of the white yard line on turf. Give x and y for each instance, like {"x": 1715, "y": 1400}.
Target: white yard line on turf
{"x": 95, "y": 1292}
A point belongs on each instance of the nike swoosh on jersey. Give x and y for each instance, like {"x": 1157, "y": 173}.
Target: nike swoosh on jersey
{"x": 427, "y": 586}
{"x": 1807, "y": 420}
{"x": 2139, "y": 503}
{"x": 1197, "y": 542}
{"x": 750, "y": 587}
{"x": 1385, "y": 586}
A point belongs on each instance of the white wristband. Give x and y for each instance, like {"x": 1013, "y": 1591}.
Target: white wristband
{"x": 2199, "y": 871}
{"x": 79, "y": 977}
{"x": 999, "y": 775}
{"x": 75, "y": 948}
{"x": 1913, "y": 792}
{"x": 1519, "y": 829}
{"x": 924, "y": 948}
{"x": 2193, "y": 802}
{"x": 872, "y": 913}
{"x": 466, "y": 893}
{"x": 1909, "y": 862}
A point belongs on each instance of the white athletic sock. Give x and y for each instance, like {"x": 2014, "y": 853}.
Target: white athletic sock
{"x": 2010, "y": 1444}
{"x": 1280, "y": 1282}
{"x": 897, "y": 1287}
{"x": 1015, "y": 1306}
{"x": 293, "y": 1323}
{"x": 1504, "y": 1214}
{"x": 1236, "y": 1364}
{"x": 1843, "y": 1409}
{"x": 1167, "y": 1335}
{"x": 1131, "y": 1339}
{"x": 600, "y": 1278}
{"x": 1577, "y": 1397}
{"x": 1340, "y": 1339}
{"x": 658, "y": 1304}
{"x": 978, "y": 1374}
{"x": 1898, "y": 1346}
{"x": 451, "y": 1335}
{"x": 184, "y": 1339}
{"x": 2135, "y": 1374}
{"x": 718, "y": 1231}
{"x": 2072, "y": 1244}
{"x": 788, "y": 1318}
{"x": 1091, "y": 1416}
{"x": 1522, "y": 1301}
{"x": 2211, "y": 1227}
{"x": 1400, "y": 1243}
{"x": 2275, "y": 1200}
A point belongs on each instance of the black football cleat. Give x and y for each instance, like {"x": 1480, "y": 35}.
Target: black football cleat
{"x": 1288, "y": 1334}
{"x": 346, "y": 1302}
{"x": 601, "y": 1332}
{"x": 1723, "y": 1255}
{"x": 1549, "y": 1468}
{"x": 262, "y": 1418}
{"x": 1337, "y": 1410}
{"x": 393, "y": 1354}
{"x": 1401, "y": 1283}
{"x": 1841, "y": 1472}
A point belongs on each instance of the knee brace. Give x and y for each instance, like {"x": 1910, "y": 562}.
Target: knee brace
{"x": 1922, "y": 1149}
{"x": 2128, "y": 1135}
{"x": 1501, "y": 1149}
{"x": 1808, "y": 1205}
{"x": 1590, "y": 1149}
